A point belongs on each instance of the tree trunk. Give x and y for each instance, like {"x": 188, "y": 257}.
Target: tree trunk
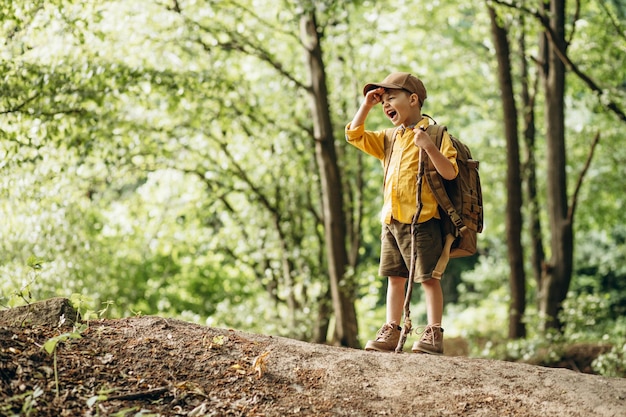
{"x": 537, "y": 255}
{"x": 322, "y": 323}
{"x": 557, "y": 272}
{"x": 517, "y": 278}
{"x": 332, "y": 198}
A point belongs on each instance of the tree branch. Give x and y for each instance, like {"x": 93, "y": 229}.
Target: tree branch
{"x": 241, "y": 43}
{"x": 618, "y": 28}
{"x": 574, "y": 20}
{"x": 572, "y": 206}
{"x": 611, "y": 105}
{"x": 20, "y": 106}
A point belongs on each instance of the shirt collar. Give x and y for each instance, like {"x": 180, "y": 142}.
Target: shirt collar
{"x": 422, "y": 123}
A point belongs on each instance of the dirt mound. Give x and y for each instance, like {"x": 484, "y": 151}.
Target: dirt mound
{"x": 151, "y": 366}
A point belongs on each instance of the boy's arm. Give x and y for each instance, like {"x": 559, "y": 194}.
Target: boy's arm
{"x": 372, "y": 98}
{"x": 444, "y": 167}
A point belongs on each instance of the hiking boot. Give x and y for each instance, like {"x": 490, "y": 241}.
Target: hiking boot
{"x": 386, "y": 338}
{"x": 431, "y": 341}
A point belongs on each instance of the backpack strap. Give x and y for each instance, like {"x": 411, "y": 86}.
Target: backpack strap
{"x": 425, "y": 115}
{"x": 390, "y": 139}
{"x": 435, "y": 181}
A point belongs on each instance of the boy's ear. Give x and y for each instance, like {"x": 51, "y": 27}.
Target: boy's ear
{"x": 414, "y": 99}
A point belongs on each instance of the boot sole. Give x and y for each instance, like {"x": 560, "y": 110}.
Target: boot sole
{"x": 430, "y": 352}
{"x": 373, "y": 349}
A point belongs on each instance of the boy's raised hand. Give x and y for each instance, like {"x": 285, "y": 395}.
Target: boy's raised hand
{"x": 374, "y": 96}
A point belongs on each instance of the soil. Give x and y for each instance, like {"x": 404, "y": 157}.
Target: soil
{"x": 153, "y": 366}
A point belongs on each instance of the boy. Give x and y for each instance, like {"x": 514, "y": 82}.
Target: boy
{"x": 402, "y": 96}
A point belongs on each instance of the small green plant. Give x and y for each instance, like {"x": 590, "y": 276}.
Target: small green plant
{"x": 24, "y": 293}
{"x": 51, "y": 345}
{"x": 31, "y": 400}
{"x": 29, "y": 403}
{"x": 102, "y": 395}
{"x": 104, "y": 310}
{"x": 81, "y": 301}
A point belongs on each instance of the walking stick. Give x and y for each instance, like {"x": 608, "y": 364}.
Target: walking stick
{"x": 406, "y": 328}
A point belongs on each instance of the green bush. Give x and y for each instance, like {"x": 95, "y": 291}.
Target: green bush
{"x": 612, "y": 363}
{"x": 587, "y": 320}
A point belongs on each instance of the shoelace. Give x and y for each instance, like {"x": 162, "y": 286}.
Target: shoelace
{"x": 429, "y": 333}
{"x": 385, "y": 331}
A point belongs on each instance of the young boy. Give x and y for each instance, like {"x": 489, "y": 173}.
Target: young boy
{"x": 402, "y": 96}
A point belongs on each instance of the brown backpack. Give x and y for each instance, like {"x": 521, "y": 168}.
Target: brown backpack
{"x": 460, "y": 200}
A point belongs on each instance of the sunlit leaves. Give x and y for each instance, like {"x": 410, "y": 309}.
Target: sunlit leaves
{"x": 163, "y": 158}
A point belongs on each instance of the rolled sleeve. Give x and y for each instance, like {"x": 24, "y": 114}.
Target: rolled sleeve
{"x": 370, "y": 142}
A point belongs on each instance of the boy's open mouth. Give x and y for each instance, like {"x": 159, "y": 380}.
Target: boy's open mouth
{"x": 391, "y": 114}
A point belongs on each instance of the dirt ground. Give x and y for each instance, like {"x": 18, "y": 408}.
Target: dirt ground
{"x": 152, "y": 366}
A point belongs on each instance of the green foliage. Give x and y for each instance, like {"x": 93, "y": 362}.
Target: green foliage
{"x": 587, "y": 320}
{"x": 601, "y": 269}
{"x": 590, "y": 318}
{"x": 612, "y": 363}
{"x": 162, "y": 161}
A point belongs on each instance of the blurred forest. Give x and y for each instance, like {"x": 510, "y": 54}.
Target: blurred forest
{"x": 186, "y": 158}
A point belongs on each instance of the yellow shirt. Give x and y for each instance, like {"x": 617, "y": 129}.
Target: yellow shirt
{"x": 400, "y": 189}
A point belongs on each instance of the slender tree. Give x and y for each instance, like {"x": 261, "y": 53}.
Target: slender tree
{"x": 332, "y": 199}
{"x": 517, "y": 277}
{"x": 553, "y": 64}
{"x": 557, "y": 271}
{"x": 528, "y": 94}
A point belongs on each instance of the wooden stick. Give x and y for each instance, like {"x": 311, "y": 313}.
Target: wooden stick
{"x": 406, "y": 328}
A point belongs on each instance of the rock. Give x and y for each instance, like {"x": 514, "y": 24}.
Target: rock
{"x": 42, "y": 313}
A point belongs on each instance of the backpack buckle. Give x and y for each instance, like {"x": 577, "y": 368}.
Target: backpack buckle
{"x": 456, "y": 219}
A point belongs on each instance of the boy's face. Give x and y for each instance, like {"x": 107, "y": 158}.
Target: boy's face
{"x": 401, "y": 107}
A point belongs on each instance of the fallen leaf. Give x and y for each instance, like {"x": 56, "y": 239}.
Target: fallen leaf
{"x": 260, "y": 364}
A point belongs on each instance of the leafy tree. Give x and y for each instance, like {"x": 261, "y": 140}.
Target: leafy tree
{"x": 517, "y": 280}
{"x": 187, "y": 158}
{"x": 556, "y": 274}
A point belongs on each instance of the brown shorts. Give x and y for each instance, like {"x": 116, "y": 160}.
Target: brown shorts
{"x": 395, "y": 251}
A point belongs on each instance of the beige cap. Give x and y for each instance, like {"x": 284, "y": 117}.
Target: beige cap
{"x": 401, "y": 81}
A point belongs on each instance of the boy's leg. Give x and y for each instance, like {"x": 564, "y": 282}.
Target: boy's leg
{"x": 432, "y": 338}
{"x": 429, "y": 247}
{"x": 394, "y": 243}
{"x": 396, "y": 293}
{"x": 388, "y": 336}
{"x": 434, "y": 301}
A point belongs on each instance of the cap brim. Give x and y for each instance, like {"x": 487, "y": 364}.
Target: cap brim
{"x": 369, "y": 87}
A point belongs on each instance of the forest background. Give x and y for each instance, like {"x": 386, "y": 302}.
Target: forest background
{"x": 186, "y": 159}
